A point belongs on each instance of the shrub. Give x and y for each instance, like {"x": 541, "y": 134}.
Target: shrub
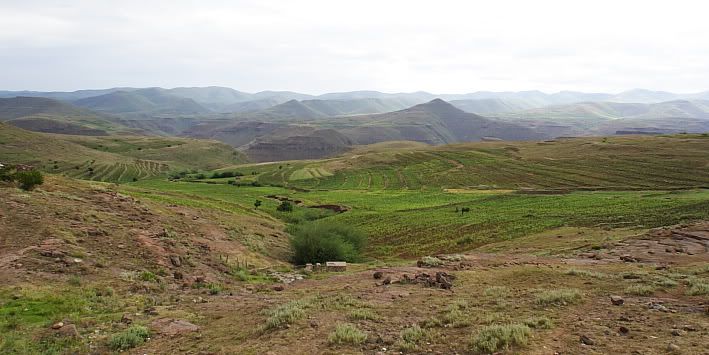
{"x": 321, "y": 241}
{"x": 147, "y": 276}
{"x": 29, "y": 179}
{"x": 698, "y": 289}
{"x": 496, "y": 337}
{"x": 214, "y": 289}
{"x": 559, "y": 297}
{"x": 579, "y": 272}
{"x": 346, "y": 334}
{"x": 285, "y": 206}
{"x": 74, "y": 280}
{"x": 640, "y": 290}
{"x": 539, "y": 323}
{"x": 130, "y": 338}
{"x": 286, "y": 313}
{"x": 497, "y": 291}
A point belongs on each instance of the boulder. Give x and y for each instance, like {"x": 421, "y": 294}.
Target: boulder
{"x": 617, "y": 300}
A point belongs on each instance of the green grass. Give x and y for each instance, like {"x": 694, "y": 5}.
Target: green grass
{"x": 500, "y": 337}
{"x": 287, "y": 313}
{"x": 640, "y": 290}
{"x": 362, "y": 314}
{"x": 346, "y": 334}
{"x": 130, "y": 338}
{"x": 560, "y": 297}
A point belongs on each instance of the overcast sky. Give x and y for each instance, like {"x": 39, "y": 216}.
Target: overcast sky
{"x": 335, "y": 45}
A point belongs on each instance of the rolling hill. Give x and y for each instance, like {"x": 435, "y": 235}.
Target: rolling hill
{"x": 52, "y": 116}
{"x": 111, "y": 158}
{"x": 152, "y": 101}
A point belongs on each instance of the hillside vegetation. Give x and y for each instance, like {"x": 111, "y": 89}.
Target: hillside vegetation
{"x": 111, "y": 158}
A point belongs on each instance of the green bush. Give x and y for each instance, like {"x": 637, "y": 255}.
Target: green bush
{"x": 285, "y": 206}
{"x": 322, "y": 241}
{"x": 559, "y": 297}
{"x": 29, "y": 179}
{"x": 130, "y": 338}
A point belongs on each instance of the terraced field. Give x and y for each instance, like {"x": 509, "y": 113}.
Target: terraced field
{"x": 615, "y": 163}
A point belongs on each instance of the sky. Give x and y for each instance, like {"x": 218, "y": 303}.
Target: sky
{"x": 318, "y": 46}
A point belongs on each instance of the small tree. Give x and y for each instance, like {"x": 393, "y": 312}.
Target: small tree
{"x": 29, "y": 179}
{"x": 285, "y": 206}
{"x": 257, "y": 203}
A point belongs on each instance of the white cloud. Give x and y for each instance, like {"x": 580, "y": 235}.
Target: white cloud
{"x": 318, "y": 46}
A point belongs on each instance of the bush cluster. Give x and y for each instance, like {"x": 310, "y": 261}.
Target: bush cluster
{"x": 321, "y": 241}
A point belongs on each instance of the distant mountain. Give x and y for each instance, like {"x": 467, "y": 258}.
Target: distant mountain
{"x": 147, "y": 101}
{"x": 211, "y": 95}
{"x": 62, "y": 95}
{"x": 487, "y": 106}
{"x": 615, "y": 110}
{"x": 435, "y": 122}
{"x": 644, "y": 96}
{"x": 52, "y": 116}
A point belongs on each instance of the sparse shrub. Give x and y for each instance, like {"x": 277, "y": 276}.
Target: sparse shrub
{"x": 411, "y": 337}
{"x": 362, "y": 314}
{"x": 257, "y": 203}
{"x": 539, "y": 322}
{"x": 497, "y": 291}
{"x": 579, "y": 272}
{"x": 147, "y": 276}
{"x": 130, "y": 338}
{"x": 640, "y": 290}
{"x": 429, "y": 261}
{"x": 29, "y": 179}
{"x": 498, "y": 337}
{"x": 698, "y": 289}
{"x": 321, "y": 241}
{"x": 346, "y": 334}
{"x": 454, "y": 315}
{"x": 214, "y": 289}
{"x": 560, "y": 297}
{"x": 74, "y": 280}
{"x": 286, "y": 313}
{"x": 665, "y": 282}
{"x": 285, "y": 206}
{"x": 200, "y": 176}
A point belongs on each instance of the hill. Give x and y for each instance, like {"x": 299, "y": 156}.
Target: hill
{"x": 488, "y": 106}
{"x": 111, "y": 158}
{"x": 143, "y": 101}
{"x": 53, "y": 116}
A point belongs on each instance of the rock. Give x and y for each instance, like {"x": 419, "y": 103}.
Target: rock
{"x": 676, "y": 332}
{"x": 657, "y": 307}
{"x": 200, "y": 279}
{"x": 586, "y": 340}
{"x": 623, "y": 330}
{"x": 68, "y": 331}
{"x": 175, "y": 260}
{"x": 126, "y": 319}
{"x": 172, "y": 327}
{"x": 689, "y": 328}
{"x": 178, "y": 275}
{"x": 313, "y": 324}
{"x": 673, "y": 348}
{"x": 151, "y": 311}
{"x": 387, "y": 280}
{"x": 378, "y": 275}
{"x": 57, "y": 325}
{"x": 628, "y": 259}
{"x": 278, "y": 288}
{"x": 617, "y": 300}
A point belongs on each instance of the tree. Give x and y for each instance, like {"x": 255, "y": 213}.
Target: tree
{"x": 322, "y": 241}
{"x": 29, "y": 179}
{"x": 257, "y": 203}
{"x": 285, "y": 206}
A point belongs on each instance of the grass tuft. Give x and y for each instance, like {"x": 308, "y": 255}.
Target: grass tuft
{"x": 286, "y": 313}
{"x": 345, "y": 333}
{"x": 362, "y": 314}
{"x": 498, "y": 337}
{"x": 560, "y": 297}
{"x": 539, "y": 322}
{"x": 129, "y": 338}
{"x": 640, "y": 290}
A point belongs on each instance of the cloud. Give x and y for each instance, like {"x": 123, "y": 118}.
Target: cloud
{"x": 319, "y": 46}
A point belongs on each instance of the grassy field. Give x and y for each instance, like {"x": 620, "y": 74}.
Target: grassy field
{"x": 408, "y": 223}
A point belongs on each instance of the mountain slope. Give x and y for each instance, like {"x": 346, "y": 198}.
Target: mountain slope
{"x": 52, "y": 116}
{"x": 148, "y": 101}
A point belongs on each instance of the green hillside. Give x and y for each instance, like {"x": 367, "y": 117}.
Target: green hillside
{"x": 111, "y": 158}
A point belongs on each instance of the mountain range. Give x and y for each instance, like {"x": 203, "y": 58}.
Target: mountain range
{"x": 276, "y": 125}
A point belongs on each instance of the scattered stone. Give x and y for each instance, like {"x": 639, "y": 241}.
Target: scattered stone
{"x": 57, "y": 325}
{"x": 689, "y": 328}
{"x": 586, "y": 340}
{"x": 314, "y": 324}
{"x": 68, "y": 331}
{"x": 200, "y": 279}
{"x": 657, "y": 307}
{"x": 440, "y": 280}
{"x": 623, "y": 330}
{"x": 617, "y": 300}
{"x": 178, "y": 275}
{"x": 278, "y": 288}
{"x": 126, "y": 319}
{"x": 628, "y": 259}
{"x": 152, "y": 311}
{"x": 676, "y": 332}
{"x": 176, "y": 260}
{"x": 387, "y": 280}
{"x": 378, "y": 275}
